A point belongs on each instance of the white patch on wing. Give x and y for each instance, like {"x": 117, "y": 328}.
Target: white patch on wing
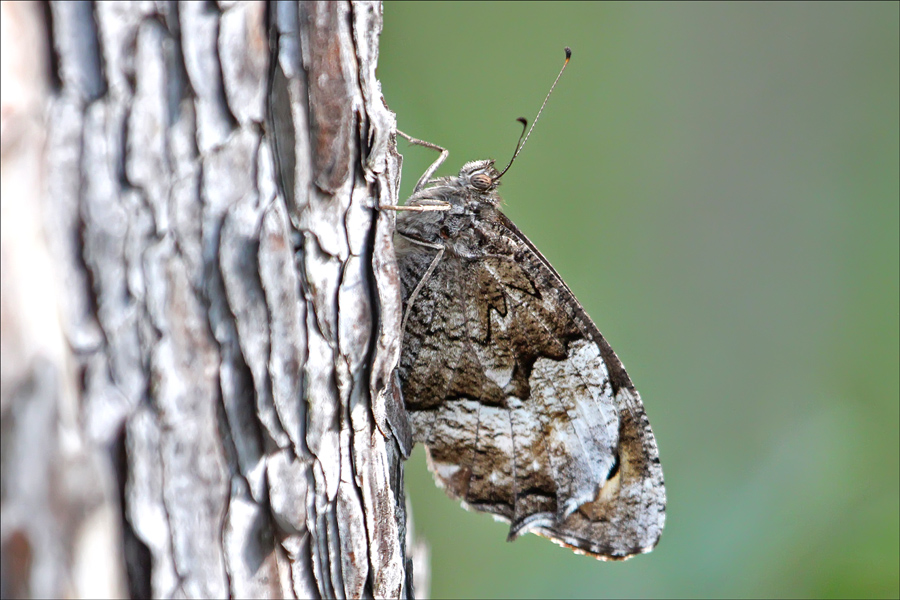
{"x": 584, "y": 441}
{"x": 445, "y": 470}
{"x": 501, "y": 376}
{"x": 494, "y": 429}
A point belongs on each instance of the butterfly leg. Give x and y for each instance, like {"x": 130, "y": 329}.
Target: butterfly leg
{"x": 434, "y": 205}
{"x": 419, "y": 207}
{"x": 434, "y": 166}
{"x": 428, "y": 272}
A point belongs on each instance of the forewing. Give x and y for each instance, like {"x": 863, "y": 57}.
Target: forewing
{"x": 525, "y": 410}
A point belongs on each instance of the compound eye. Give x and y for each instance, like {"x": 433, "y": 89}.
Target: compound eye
{"x": 482, "y": 181}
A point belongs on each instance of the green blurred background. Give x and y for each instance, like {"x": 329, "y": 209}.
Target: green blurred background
{"x": 718, "y": 183}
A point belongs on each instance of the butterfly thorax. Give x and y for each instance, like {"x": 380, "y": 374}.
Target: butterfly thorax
{"x": 471, "y": 200}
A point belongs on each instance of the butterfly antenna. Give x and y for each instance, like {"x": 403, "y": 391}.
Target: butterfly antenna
{"x": 524, "y": 138}
{"x": 524, "y": 123}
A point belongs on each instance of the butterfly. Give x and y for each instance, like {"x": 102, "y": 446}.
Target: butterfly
{"x": 525, "y": 411}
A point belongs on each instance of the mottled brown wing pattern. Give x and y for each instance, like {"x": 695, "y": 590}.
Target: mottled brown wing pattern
{"x": 524, "y": 408}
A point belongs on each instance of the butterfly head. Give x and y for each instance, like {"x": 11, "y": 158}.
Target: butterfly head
{"x": 479, "y": 176}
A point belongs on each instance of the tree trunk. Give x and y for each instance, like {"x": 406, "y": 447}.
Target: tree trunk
{"x": 200, "y": 311}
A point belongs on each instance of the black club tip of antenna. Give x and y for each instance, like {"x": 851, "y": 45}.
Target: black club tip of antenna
{"x": 568, "y": 53}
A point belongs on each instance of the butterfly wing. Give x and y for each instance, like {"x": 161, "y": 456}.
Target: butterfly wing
{"x": 525, "y": 410}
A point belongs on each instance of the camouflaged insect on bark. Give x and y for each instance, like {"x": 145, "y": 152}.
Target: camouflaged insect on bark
{"x": 525, "y": 410}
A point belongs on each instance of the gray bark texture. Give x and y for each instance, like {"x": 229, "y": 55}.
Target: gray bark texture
{"x": 201, "y": 307}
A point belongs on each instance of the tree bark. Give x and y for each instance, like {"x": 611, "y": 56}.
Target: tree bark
{"x": 200, "y": 305}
